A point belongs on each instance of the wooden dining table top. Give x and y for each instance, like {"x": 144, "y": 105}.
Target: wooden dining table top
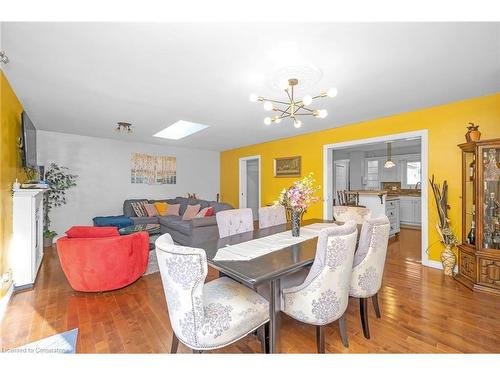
{"x": 269, "y": 266}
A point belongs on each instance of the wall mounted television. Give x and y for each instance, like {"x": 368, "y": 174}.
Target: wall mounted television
{"x": 28, "y": 141}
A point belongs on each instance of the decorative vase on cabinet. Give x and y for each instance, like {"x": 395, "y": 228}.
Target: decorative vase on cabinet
{"x": 479, "y": 252}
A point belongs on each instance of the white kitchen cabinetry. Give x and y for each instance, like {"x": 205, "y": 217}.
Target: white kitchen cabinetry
{"x": 410, "y": 210}
{"x": 27, "y": 249}
{"x": 392, "y": 213}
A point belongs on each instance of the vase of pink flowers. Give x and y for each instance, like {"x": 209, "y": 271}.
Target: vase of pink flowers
{"x": 297, "y": 198}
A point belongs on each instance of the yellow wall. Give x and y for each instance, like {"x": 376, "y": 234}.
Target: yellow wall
{"x": 10, "y": 167}
{"x": 446, "y": 126}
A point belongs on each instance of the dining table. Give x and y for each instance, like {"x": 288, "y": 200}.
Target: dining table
{"x": 269, "y": 268}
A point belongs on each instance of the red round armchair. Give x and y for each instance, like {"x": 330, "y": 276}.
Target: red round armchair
{"x": 97, "y": 259}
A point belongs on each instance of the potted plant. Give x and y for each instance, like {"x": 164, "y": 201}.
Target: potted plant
{"x": 297, "y": 198}
{"x": 443, "y": 227}
{"x": 58, "y": 180}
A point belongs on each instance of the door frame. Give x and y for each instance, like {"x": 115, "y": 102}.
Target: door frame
{"x": 424, "y": 199}
{"x": 242, "y": 168}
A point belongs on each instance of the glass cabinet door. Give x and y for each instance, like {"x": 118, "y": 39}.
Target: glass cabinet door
{"x": 489, "y": 196}
{"x": 468, "y": 197}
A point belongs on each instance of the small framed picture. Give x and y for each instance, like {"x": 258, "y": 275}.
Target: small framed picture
{"x": 287, "y": 167}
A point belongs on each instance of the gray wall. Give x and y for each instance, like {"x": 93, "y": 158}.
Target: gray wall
{"x": 103, "y": 167}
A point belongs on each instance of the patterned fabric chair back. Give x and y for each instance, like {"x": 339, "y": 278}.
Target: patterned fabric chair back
{"x": 369, "y": 260}
{"x": 236, "y": 221}
{"x": 271, "y": 216}
{"x": 346, "y": 213}
{"x": 183, "y": 271}
{"x": 323, "y": 296}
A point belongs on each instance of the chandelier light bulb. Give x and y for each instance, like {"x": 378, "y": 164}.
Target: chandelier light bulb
{"x": 307, "y": 99}
{"x": 332, "y": 92}
{"x": 254, "y": 98}
{"x": 297, "y": 123}
{"x": 277, "y": 120}
{"x": 267, "y": 121}
{"x": 268, "y": 106}
{"x": 322, "y": 113}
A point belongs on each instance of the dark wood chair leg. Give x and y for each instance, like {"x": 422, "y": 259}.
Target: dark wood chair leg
{"x": 197, "y": 351}
{"x": 363, "y": 303}
{"x": 320, "y": 338}
{"x": 263, "y": 337}
{"x": 376, "y": 306}
{"x": 175, "y": 344}
{"x": 343, "y": 331}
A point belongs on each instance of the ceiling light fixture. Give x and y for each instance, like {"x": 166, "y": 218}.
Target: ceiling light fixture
{"x": 292, "y": 108}
{"x": 3, "y": 57}
{"x": 124, "y": 127}
{"x": 389, "y": 163}
{"x": 180, "y": 129}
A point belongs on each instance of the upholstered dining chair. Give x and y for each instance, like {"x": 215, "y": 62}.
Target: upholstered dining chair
{"x": 345, "y": 213}
{"x": 271, "y": 216}
{"x": 323, "y": 296}
{"x": 235, "y": 221}
{"x": 206, "y": 316}
{"x": 368, "y": 267}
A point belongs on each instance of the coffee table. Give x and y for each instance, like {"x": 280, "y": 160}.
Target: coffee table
{"x": 152, "y": 229}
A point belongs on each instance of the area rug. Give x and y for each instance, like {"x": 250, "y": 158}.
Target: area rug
{"x": 152, "y": 263}
{"x": 61, "y": 343}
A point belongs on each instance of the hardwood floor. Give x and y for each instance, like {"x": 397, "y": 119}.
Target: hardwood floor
{"x": 422, "y": 312}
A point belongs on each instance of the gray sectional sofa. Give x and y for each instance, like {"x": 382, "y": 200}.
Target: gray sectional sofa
{"x": 185, "y": 232}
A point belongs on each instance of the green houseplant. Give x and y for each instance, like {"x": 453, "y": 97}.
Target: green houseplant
{"x": 58, "y": 180}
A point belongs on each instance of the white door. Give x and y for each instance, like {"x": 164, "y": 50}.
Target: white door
{"x": 340, "y": 176}
{"x": 250, "y": 184}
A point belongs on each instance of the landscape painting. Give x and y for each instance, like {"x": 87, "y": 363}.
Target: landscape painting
{"x": 153, "y": 170}
{"x": 287, "y": 167}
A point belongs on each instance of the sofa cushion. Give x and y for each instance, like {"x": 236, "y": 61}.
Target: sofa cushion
{"x": 139, "y": 208}
{"x": 204, "y": 222}
{"x": 172, "y": 210}
{"x": 161, "y": 207}
{"x": 182, "y": 226}
{"x": 127, "y": 206}
{"x": 151, "y": 209}
{"x": 91, "y": 232}
{"x": 206, "y": 212}
{"x": 191, "y": 211}
{"x": 165, "y": 220}
{"x": 201, "y": 202}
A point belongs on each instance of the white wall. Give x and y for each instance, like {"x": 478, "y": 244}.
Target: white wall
{"x": 103, "y": 167}
{"x": 253, "y": 187}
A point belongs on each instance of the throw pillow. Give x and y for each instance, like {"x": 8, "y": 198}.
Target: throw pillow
{"x": 151, "y": 209}
{"x": 191, "y": 211}
{"x": 139, "y": 209}
{"x": 161, "y": 207}
{"x": 91, "y": 232}
{"x": 206, "y": 212}
{"x": 173, "y": 209}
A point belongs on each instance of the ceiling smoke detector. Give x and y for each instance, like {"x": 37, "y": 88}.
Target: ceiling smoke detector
{"x": 124, "y": 127}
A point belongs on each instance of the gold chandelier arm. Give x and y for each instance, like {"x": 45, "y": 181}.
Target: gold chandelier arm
{"x": 282, "y": 111}
{"x": 303, "y": 114}
{"x": 275, "y": 101}
{"x": 307, "y": 109}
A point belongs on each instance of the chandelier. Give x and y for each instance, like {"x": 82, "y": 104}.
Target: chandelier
{"x": 292, "y": 108}
{"x": 125, "y": 127}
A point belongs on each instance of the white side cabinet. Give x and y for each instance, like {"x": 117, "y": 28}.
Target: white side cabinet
{"x": 27, "y": 247}
{"x": 410, "y": 210}
{"x": 392, "y": 213}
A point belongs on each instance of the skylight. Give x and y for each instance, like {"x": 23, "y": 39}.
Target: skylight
{"x": 180, "y": 129}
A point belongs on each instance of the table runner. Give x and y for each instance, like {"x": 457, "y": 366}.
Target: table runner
{"x": 261, "y": 246}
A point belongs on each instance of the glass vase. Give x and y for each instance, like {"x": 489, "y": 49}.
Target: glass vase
{"x": 296, "y": 215}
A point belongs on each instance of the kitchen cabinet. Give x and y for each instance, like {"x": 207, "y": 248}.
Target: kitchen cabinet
{"x": 410, "y": 210}
{"x": 392, "y": 212}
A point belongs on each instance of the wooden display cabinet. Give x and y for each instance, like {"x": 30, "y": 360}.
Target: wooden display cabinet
{"x": 479, "y": 260}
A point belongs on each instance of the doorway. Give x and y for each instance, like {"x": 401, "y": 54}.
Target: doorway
{"x": 249, "y": 193}
{"x": 403, "y": 173}
{"x": 340, "y": 176}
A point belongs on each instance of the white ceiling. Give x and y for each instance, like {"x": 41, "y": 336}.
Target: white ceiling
{"x": 84, "y": 77}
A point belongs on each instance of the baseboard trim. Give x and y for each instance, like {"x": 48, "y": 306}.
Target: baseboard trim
{"x": 438, "y": 265}
{"x": 5, "y": 300}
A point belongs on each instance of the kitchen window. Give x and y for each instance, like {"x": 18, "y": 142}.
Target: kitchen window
{"x": 412, "y": 173}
